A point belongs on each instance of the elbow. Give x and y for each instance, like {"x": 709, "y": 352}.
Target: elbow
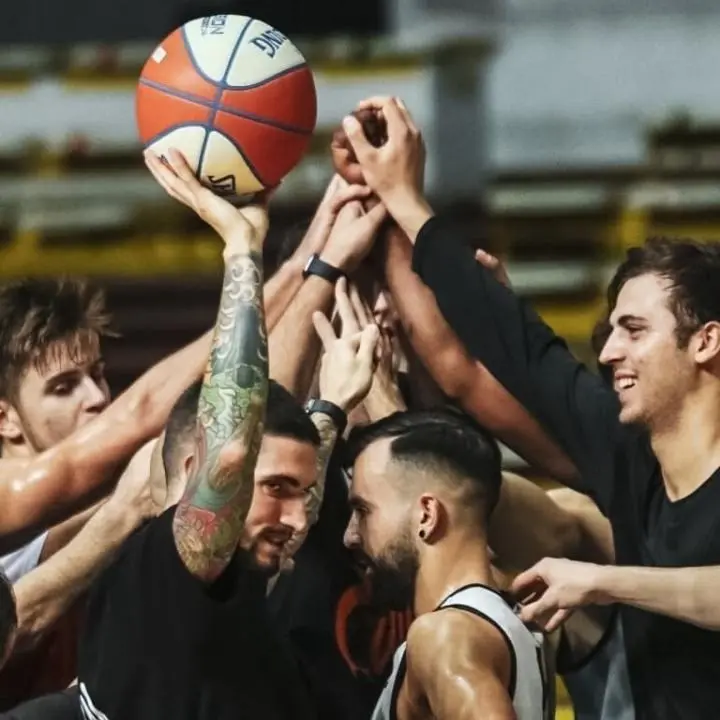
{"x": 33, "y": 625}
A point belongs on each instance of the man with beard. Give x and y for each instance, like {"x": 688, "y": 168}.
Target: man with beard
{"x": 177, "y": 626}
{"x": 424, "y": 485}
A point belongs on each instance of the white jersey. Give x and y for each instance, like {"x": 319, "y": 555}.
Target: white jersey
{"x": 531, "y": 688}
{"x": 19, "y": 563}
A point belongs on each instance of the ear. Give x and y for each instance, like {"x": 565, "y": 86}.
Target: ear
{"x": 705, "y": 343}
{"x": 11, "y": 429}
{"x": 431, "y": 518}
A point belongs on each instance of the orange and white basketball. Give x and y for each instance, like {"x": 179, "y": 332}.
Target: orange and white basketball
{"x": 235, "y": 96}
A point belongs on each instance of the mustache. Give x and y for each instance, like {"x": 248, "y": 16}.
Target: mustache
{"x": 277, "y": 535}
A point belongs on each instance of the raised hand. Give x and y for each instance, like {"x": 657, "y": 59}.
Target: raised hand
{"x": 338, "y": 194}
{"x": 397, "y": 166}
{"x": 353, "y": 235}
{"x": 134, "y": 493}
{"x": 178, "y": 180}
{"x": 348, "y": 362}
{"x": 384, "y": 396}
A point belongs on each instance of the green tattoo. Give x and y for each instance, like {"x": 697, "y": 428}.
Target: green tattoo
{"x": 210, "y": 518}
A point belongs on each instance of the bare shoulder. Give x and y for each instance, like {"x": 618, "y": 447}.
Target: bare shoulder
{"x": 457, "y": 663}
{"x": 450, "y": 638}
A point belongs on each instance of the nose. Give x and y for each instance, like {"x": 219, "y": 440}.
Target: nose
{"x": 295, "y": 515}
{"x": 97, "y": 395}
{"x": 612, "y": 351}
{"x": 351, "y": 537}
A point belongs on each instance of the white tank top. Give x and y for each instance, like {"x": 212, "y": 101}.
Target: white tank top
{"x": 531, "y": 687}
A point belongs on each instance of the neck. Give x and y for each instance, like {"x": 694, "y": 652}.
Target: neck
{"x": 688, "y": 446}
{"x": 455, "y": 561}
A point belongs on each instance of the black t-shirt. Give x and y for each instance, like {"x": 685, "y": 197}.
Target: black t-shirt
{"x": 674, "y": 667}
{"x": 158, "y": 643}
{"x": 63, "y": 705}
{"x": 345, "y": 646}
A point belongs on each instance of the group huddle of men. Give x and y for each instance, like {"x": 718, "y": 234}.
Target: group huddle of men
{"x": 303, "y": 514}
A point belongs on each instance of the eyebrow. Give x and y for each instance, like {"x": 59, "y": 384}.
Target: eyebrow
{"x": 61, "y": 376}
{"x": 625, "y": 320}
{"x": 355, "y": 501}
{"x": 287, "y": 479}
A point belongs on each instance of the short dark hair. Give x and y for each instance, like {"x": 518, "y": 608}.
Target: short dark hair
{"x": 693, "y": 271}
{"x": 37, "y": 314}
{"x": 284, "y": 416}
{"x": 180, "y": 428}
{"x": 8, "y": 615}
{"x": 446, "y": 441}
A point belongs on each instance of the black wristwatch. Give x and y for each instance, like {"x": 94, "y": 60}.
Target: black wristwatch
{"x": 316, "y": 266}
{"x": 333, "y": 411}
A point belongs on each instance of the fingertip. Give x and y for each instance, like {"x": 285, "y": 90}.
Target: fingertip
{"x": 350, "y": 124}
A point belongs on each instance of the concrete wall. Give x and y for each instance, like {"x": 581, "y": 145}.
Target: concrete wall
{"x": 582, "y": 87}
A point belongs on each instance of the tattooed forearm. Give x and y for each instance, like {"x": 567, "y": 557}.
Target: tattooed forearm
{"x": 328, "y": 436}
{"x": 210, "y": 518}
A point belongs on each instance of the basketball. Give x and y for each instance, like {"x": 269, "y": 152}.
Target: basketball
{"x": 234, "y": 96}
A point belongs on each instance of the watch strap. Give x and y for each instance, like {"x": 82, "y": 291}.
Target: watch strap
{"x": 333, "y": 411}
{"x": 316, "y": 266}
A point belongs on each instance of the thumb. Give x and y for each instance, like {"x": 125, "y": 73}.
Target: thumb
{"x": 376, "y": 215}
{"x": 356, "y": 137}
{"x": 368, "y": 342}
{"x": 486, "y": 259}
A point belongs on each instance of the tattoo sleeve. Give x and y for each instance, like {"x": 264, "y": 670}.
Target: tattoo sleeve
{"x": 328, "y": 436}
{"x": 209, "y": 519}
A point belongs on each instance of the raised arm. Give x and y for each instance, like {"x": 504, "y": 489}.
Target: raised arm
{"x": 294, "y": 347}
{"x": 210, "y": 517}
{"x": 48, "y": 488}
{"x": 284, "y": 284}
{"x": 505, "y": 334}
{"x": 459, "y": 667}
{"x": 461, "y": 376}
{"x": 346, "y": 373}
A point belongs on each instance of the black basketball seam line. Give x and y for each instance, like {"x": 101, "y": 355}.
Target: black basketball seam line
{"x": 199, "y": 70}
{"x": 278, "y": 74}
{"x": 170, "y": 129}
{"x": 218, "y": 95}
{"x": 180, "y": 126}
{"x": 204, "y": 102}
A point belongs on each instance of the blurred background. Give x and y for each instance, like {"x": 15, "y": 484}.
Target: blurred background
{"x": 561, "y": 132}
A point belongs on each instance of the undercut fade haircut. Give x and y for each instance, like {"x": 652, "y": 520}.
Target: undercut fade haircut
{"x": 284, "y": 417}
{"x": 445, "y": 442}
{"x": 41, "y": 318}
{"x": 180, "y": 429}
